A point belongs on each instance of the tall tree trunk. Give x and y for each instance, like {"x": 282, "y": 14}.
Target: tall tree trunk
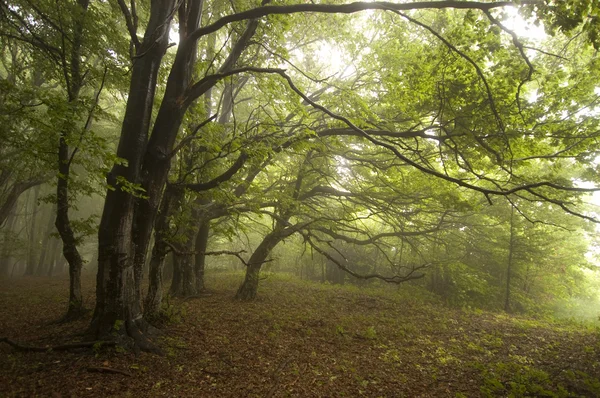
{"x": 33, "y": 242}
{"x": 175, "y": 102}
{"x": 156, "y": 161}
{"x": 63, "y": 223}
{"x": 511, "y": 250}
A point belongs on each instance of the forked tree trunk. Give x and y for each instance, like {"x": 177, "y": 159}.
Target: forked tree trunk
{"x": 118, "y": 303}
{"x": 127, "y": 222}
{"x": 156, "y": 163}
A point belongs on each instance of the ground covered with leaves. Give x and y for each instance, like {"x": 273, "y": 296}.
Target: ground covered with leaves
{"x": 298, "y": 339}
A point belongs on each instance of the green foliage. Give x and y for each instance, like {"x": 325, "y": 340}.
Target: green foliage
{"x": 517, "y": 380}
{"x": 584, "y": 382}
{"x": 134, "y": 189}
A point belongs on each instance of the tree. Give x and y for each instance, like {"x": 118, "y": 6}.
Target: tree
{"x": 61, "y": 39}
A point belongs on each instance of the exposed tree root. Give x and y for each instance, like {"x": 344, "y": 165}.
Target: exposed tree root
{"x": 62, "y": 347}
{"x": 139, "y": 331}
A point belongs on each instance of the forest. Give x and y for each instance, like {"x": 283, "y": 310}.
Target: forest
{"x": 299, "y": 198}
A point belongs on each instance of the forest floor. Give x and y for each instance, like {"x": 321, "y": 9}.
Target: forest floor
{"x": 298, "y": 339}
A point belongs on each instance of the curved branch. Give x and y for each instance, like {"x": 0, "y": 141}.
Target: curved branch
{"x": 226, "y": 176}
{"x": 350, "y": 8}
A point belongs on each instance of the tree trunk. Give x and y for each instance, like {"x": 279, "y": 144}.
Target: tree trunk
{"x": 127, "y": 221}
{"x": 187, "y": 265}
{"x": 247, "y": 291}
{"x": 200, "y": 257}
{"x": 153, "y": 302}
{"x": 177, "y": 279}
{"x": 155, "y": 288}
{"x": 117, "y": 297}
{"x": 178, "y": 97}
{"x": 63, "y": 226}
{"x": 156, "y": 161}
{"x": 5, "y": 258}
{"x": 186, "y": 285}
{"x": 63, "y": 223}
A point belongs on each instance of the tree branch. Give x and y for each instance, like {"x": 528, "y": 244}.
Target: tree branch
{"x": 350, "y": 8}
{"x": 397, "y": 279}
{"x": 226, "y": 176}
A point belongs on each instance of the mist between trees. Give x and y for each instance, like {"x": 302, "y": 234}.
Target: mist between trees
{"x": 162, "y": 140}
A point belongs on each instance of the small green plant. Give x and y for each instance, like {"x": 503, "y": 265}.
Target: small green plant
{"x": 370, "y": 333}
{"x": 391, "y": 356}
{"x": 118, "y": 324}
{"x": 471, "y": 346}
{"x": 491, "y": 341}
